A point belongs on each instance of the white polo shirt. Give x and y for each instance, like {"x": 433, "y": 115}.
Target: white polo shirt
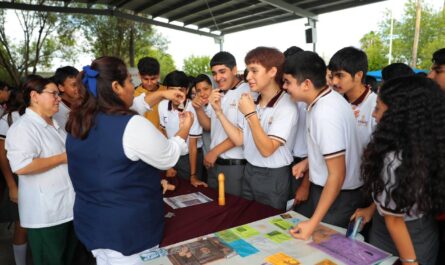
{"x": 278, "y": 120}
{"x": 300, "y": 146}
{"x": 62, "y": 115}
{"x": 229, "y": 105}
{"x": 45, "y": 199}
{"x": 363, "y": 108}
{"x": 169, "y": 120}
{"x": 332, "y": 131}
{"x": 4, "y": 126}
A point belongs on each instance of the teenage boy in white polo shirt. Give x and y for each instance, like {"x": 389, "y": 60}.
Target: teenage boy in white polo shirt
{"x": 333, "y": 145}
{"x": 267, "y": 130}
{"x": 348, "y": 68}
{"x": 224, "y": 156}
{"x": 189, "y": 165}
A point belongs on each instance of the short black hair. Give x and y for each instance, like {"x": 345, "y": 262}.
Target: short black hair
{"x": 149, "y": 66}
{"x": 395, "y": 70}
{"x": 306, "y": 65}
{"x": 439, "y": 57}
{"x": 202, "y": 78}
{"x": 291, "y": 51}
{"x": 223, "y": 58}
{"x": 350, "y": 60}
{"x": 63, "y": 73}
{"x": 372, "y": 83}
{"x": 176, "y": 79}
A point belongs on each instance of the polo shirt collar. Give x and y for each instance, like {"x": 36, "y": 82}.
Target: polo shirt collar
{"x": 273, "y": 101}
{"x": 36, "y": 117}
{"x": 233, "y": 88}
{"x": 326, "y": 90}
{"x": 362, "y": 97}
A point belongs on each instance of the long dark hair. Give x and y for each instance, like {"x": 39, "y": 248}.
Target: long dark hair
{"x": 413, "y": 128}
{"x": 84, "y": 112}
{"x": 14, "y": 103}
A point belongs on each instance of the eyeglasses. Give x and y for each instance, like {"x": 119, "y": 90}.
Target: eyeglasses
{"x": 55, "y": 94}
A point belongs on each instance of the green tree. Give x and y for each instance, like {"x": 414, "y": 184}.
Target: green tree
{"x": 195, "y": 65}
{"x": 432, "y": 35}
{"x": 46, "y": 36}
{"x": 107, "y": 35}
{"x": 372, "y": 44}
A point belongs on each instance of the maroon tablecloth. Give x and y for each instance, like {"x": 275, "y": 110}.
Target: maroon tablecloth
{"x": 203, "y": 219}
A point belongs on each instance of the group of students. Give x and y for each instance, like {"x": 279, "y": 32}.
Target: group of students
{"x": 89, "y": 167}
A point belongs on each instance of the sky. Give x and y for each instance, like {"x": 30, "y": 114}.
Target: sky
{"x": 335, "y": 30}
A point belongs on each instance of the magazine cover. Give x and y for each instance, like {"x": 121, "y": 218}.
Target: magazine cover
{"x": 203, "y": 251}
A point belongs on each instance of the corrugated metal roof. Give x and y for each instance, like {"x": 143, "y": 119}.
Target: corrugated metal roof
{"x": 206, "y": 17}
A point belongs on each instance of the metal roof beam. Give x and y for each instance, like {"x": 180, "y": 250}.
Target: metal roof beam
{"x": 290, "y": 8}
{"x": 258, "y": 21}
{"x": 224, "y": 14}
{"x": 245, "y": 18}
{"x": 171, "y": 8}
{"x": 145, "y": 6}
{"x": 183, "y": 17}
{"x": 103, "y": 12}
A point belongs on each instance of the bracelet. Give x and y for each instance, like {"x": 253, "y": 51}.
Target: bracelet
{"x": 408, "y": 260}
{"x": 248, "y": 115}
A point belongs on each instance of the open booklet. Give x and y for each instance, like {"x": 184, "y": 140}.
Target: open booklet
{"x": 202, "y": 251}
{"x": 187, "y": 200}
{"x": 349, "y": 251}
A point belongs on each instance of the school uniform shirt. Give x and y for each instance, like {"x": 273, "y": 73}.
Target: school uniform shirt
{"x": 332, "y": 131}
{"x": 229, "y": 105}
{"x": 45, "y": 199}
{"x": 148, "y": 151}
{"x": 300, "y": 147}
{"x": 152, "y": 114}
{"x": 4, "y": 126}
{"x": 363, "y": 108}
{"x": 385, "y": 204}
{"x": 169, "y": 121}
{"x": 62, "y": 115}
{"x": 278, "y": 119}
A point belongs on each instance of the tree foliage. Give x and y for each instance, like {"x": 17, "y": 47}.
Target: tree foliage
{"x": 195, "y": 65}
{"x": 46, "y": 36}
{"x": 432, "y": 36}
{"x": 107, "y": 35}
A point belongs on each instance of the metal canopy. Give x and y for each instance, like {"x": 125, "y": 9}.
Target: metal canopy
{"x": 212, "y": 18}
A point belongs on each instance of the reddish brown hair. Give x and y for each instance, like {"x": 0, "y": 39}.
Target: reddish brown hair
{"x": 268, "y": 58}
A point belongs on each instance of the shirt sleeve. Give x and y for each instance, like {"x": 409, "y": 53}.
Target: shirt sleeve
{"x": 284, "y": 120}
{"x": 143, "y": 141}
{"x": 196, "y": 129}
{"x": 385, "y": 204}
{"x": 4, "y": 127}
{"x": 161, "y": 108}
{"x": 139, "y": 104}
{"x": 329, "y": 132}
{"x": 22, "y": 147}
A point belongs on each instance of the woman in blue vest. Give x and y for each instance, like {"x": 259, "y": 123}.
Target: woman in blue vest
{"x": 115, "y": 157}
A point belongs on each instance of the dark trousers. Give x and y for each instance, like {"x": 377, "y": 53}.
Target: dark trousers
{"x": 183, "y": 166}
{"x": 268, "y": 186}
{"x": 423, "y": 232}
{"x": 340, "y": 211}
{"x": 233, "y": 178}
{"x": 53, "y": 245}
